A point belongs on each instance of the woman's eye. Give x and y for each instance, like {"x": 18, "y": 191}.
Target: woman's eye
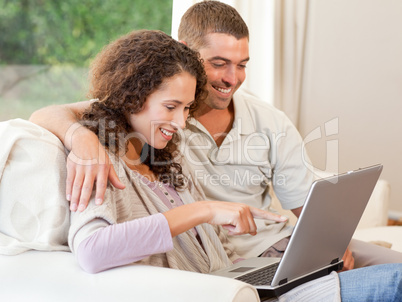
{"x": 170, "y": 107}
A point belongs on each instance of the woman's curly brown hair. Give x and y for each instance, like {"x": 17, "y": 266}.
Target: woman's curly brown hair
{"x": 124, "y": 74}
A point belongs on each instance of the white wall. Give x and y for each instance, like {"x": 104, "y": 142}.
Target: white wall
{"x": 352, "y": 79}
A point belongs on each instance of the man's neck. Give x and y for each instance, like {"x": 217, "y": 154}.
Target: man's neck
{"x": 217, "y": 122}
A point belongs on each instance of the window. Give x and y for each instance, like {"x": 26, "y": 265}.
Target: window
{"x": 46, "y": 46}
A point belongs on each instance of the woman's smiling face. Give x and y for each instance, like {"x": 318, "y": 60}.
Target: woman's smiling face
{"x": 165, "y": 111}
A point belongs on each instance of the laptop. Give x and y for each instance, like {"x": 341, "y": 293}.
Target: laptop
{"x": 330, "y": 215}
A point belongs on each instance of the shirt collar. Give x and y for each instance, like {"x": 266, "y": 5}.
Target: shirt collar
{"x": 243, "y": 120}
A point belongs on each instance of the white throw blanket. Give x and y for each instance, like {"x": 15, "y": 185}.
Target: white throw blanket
{"x": 34, "y": 212}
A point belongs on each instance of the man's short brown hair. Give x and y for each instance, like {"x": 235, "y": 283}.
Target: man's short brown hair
{"x": 210, "y": 17}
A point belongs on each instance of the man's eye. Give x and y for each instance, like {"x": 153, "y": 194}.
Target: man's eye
{"x": 218, "y": 64}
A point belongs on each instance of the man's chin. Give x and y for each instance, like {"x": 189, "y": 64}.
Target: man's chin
{"x": 219, "y": 103}
{"x": 223, "y": 104}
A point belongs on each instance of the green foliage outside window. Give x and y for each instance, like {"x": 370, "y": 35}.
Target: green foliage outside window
{"x": 72, "y": 31}
{"x": 46, "y": 46}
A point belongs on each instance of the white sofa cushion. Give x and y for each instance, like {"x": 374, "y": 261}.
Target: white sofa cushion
{"x": 55, "y": 276}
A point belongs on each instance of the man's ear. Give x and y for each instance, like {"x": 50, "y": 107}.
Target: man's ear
{"x": 184, "y": 42}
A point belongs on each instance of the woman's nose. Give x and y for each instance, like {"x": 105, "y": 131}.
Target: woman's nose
{"x": 180, "y": 120}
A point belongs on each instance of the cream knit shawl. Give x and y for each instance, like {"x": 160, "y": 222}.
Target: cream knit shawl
{"x": 138, "y": 200}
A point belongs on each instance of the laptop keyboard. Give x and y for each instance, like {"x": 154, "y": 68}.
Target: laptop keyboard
{"x": 262, "y": 276}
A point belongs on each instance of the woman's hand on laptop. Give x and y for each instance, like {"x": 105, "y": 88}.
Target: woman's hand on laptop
{"x": 238, "y": 218}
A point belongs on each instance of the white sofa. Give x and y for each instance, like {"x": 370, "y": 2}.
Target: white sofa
{"x": 55, "y": 275}
{"x": 34, "y": 217}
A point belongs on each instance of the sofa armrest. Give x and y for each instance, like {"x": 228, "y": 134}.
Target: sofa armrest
{"x": 55, "y": 276}
{"x": 376, "y": 212}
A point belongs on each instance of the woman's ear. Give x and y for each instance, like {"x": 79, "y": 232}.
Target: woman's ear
{"x": 184, "y": 42}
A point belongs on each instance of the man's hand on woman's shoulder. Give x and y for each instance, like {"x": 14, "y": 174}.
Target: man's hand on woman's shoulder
{"x": 87, "y": 164}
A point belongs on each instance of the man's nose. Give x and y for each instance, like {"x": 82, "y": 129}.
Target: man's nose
{"x": 230, "y": 76}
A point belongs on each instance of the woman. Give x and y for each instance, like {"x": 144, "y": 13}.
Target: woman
{"x": 145, "y": 85}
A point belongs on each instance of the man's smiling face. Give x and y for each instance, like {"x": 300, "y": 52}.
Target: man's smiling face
{"x": 225, "y": 59}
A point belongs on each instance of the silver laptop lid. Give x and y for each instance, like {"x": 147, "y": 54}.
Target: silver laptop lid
{"x": 330, "y": 215}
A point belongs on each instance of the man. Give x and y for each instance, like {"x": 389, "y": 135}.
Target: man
{"x": 236, "y": 145}
{"x": 236, "y": 142}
